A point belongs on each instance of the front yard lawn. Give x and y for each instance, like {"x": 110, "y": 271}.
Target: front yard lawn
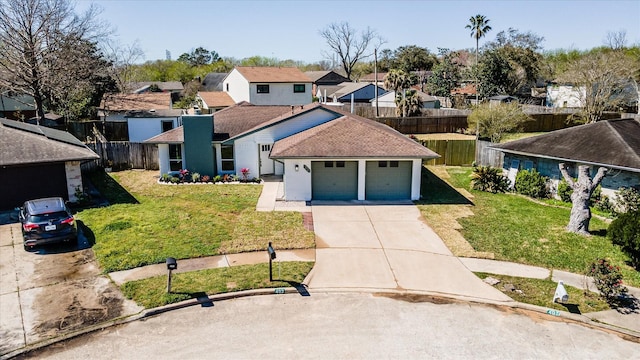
{"x": 155, "y": 221}
{"x": 513, "y": 228}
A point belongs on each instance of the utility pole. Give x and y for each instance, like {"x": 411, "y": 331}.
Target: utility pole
{"x": 375, "y": 78}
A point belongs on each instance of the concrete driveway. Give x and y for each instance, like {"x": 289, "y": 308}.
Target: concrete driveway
{"x": 388, "y": 247}
{"x": 54, "y": 290}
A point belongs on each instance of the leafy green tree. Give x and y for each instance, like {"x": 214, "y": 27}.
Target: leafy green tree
{"x": 493, "y": 121}
{"x": 398, "y": 80}
{"x": 408, "y": 103}
{"x": 199, "y": 56}
{"x": 493, "y": 74}
{"x": 445, "y": 76}
{"x": 413, "y": 58}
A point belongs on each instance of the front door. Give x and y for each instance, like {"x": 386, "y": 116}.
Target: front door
{"x": 266, "y": 164}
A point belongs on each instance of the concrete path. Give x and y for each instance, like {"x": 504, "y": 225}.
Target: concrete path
{"x": 388, "y": 247}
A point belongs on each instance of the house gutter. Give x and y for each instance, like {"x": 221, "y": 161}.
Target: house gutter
{"x": 625, "y": 168}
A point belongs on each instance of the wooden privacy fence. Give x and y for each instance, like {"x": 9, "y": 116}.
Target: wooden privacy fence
{"x": 487, "y": 156}
{"x": 452, "y": 152}
{"x": 125, "y": 155}
{"x": 426, "y": 125}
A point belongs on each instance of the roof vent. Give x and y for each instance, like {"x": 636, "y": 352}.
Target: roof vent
{"x": 152, "y": 110}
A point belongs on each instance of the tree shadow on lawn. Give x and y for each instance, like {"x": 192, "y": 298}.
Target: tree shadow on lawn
{"x": 104, "y": 186}
{"x": 437, "y": 191}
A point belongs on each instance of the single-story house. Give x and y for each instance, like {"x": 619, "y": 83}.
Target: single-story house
{"x": 614, "y": 144}
{"x": 389, "y": 100}
{"x": 213, "y": 101}
{"x": 37, "y": 161}
{"x": 322, "y": 153}
{"x": 324, "y": 78}
{"x": 565, "y": 95}
{"x": 362, "y": 92}
{"x": 114, "y": 107}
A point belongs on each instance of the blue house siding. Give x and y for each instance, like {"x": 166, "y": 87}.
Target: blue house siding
{"x": 198, "y": 150}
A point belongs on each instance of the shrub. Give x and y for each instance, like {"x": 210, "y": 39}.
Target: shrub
{"x": 628, "y": 199}
{"x": 487, "y": 178}
{"x": 625, "y": 232}
{"x": 605, "y": 205}
{"x": 564, "y": 191}
{"x": 205, "y": 178}
{"x": 245, "y": 174}
{"x": 165, "y": 178}
{"x": 195, "y": 177}
{"x": 607, "y": 278}
{"x": 531, "y": 183}
{"x": 174, "y": 180}
{"x": 217, "y": 179}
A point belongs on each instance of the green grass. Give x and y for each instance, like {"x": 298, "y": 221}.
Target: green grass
{"x": 152, "y": 222}
{"x": 540, "y": 292}
{"x": 517, "y": 136}
{"x": 520, "y": 230}
{"x": 152, "y": 292}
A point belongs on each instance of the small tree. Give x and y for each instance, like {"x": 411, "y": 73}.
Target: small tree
{"x": 487, "y": 178}
{"x": 580, "y": 197}
{"x": 493, "y": 121}
{"x": 607, "y": 278}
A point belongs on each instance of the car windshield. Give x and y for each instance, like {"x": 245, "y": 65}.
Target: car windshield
{"x": 53, "y": 216}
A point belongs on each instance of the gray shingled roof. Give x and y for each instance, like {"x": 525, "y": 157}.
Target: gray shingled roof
{"x": 350, "y": 136}
{"x": 23, "y": 143}
{"x": 612, "y": 143}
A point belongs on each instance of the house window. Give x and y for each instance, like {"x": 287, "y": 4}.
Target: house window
{"x": 167, "y": 125}
{"x": 382, "y": 164}
{"x": 266, "y": 147}
{"x": 298, "y": 88}
{"x": 175, "y": 157}
{"x": 226, "y": 153}
{"x": 263, "y": 89}
{"x": 227, "y": 87}
{"x": 328, "y": 164}
{"x": 393, "y": 164}
{"x": 339, "y": 163}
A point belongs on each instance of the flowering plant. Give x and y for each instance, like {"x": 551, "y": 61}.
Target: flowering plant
{"x": 245, "y": 173}
{"x": 607, "y": 278}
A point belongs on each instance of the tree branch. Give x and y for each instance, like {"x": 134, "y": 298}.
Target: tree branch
{"x": 565, "y": 175}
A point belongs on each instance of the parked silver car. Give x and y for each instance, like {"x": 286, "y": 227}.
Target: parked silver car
{"x": 45, "y": 221}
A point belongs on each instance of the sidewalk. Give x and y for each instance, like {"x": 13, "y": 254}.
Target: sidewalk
{"x": 628, "y": 319}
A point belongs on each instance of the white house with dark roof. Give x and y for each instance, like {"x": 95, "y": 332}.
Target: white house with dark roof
{"x": 142, "y": 125}
{"x": 268, "y": 85}
{"x": 37, "y": 161}
{"x": 322, "y": 153}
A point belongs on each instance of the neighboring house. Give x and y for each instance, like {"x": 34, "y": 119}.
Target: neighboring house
{"x": 268, "y": 85}
{"x": 371, "y": 78}
{"x": 154, "y": 86}
{"x": 312, "y": 146}
{"x": 324, "y": 78}
{"x": 562, "y": 96}
{"x": 465, "y": 94}
{"x": 213, "y": 81}
{"x": 114, "y": 107}
{"x": 614, "y": 144}
{"x": 37, "y": 162}
{"x": 362, "y": 92}
{"x": 389, "y": 100}
{"x": 17, "y": 107}
{"x": 213, "y": 101}
{"x": 142, "y": 124}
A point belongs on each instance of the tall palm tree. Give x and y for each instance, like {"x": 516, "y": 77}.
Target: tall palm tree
{"x": 479, "y": 27}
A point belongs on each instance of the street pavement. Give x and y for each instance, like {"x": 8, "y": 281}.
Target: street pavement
{"x": 345, "y": 326}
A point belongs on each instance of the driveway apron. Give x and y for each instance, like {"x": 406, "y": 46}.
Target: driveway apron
{"x": 388, "y": 247}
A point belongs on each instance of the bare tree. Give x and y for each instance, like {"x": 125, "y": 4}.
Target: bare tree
{"x": 600, "y": 80}
{"x": 33, "y": 35}
{"x": 616, "y": 40}
{"x": 582, "y": 190}
{"x": 122, "y": 59}
{"x": 349, "y": 45}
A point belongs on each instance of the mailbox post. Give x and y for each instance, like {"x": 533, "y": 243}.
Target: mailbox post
{"x": 172, "y": 264}
{"x": 272, "y": 256}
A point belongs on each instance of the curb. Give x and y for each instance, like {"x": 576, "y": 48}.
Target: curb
{"x": 153, "y": 312}
{"x": 584, "y": 320}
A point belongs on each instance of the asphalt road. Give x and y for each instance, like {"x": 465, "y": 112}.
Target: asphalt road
{"x": 346, "y": 325}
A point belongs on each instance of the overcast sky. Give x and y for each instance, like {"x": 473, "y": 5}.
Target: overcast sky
{"x": 290, "y": 29}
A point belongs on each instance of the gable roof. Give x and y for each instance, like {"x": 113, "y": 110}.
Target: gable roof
{"x": 265, "y": 74}
{"x": 147, "y": 114}
{"x": 216, "y": 98}
{"x": 145, "y": 101}
{"x": 24, "y": 143}
{"x": 469, "y": 89}
{"x": 371, "y": 77}
{"x": 326, "y": 77}
{"x": 611, "y": 143}
{"x": 213, "y": 81}
{"x": 350, "y": 136}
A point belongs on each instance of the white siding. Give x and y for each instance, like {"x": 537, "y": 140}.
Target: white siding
{"x": 238, "y": 86}
{"x": 74, "y": 178}
{"x": 141, "y": 129}
{"x": 163, "y": 158}
{"x": 559, "y": 96}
